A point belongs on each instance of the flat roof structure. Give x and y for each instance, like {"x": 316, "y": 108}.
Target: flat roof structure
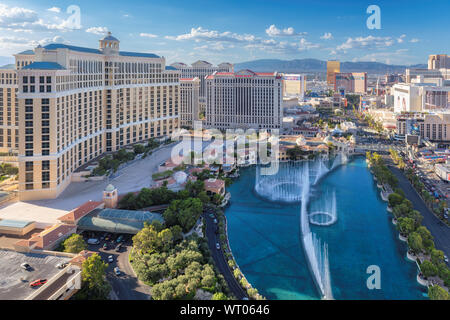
{"x": 24, "y": 211}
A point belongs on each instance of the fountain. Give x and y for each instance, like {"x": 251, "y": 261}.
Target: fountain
{"x": 321, "y": 170}
{"x": 316, "y": 253}
{"x": 284, "y": 186}
{"x": 292, "y": 184}
{"x": 327, "y": 214}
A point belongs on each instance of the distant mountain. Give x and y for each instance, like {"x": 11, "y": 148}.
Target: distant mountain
{"x": 314, "y": 65}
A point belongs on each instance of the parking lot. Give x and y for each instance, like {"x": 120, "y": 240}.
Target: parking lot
{"x": 125, "y": 285}
{"x": 15, "y": 281}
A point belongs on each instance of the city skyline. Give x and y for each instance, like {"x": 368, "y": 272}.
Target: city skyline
{"x": 243, "y": 31}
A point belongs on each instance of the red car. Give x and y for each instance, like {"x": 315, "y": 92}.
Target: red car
{"x": 38, "y": 282}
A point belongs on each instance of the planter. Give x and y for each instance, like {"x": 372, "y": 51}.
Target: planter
{"x": 389, "y": 209}
{"x": 411, "y": 256}
{"x": 402, "y": 238}
{"x": 394, "y": 221}
{"x": 421, "y": 281}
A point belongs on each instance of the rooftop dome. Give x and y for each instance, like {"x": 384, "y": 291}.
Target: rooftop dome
{"x": 109, "y": 37}
{"x": 180, "y": 177}
{"x": 110, "y": 188}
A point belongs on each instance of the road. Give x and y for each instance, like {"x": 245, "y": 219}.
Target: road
{"x": 126, "y": 286}
{"x": 220, "y": 260}
{"x": 438, "y": 229}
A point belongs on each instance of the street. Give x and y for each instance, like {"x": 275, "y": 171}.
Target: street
{"x": 438, "y": 229}
{"x": 126, "y": 286}
{"x": 219, "y": 259}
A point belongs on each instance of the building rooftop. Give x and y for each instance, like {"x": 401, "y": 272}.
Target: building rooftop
{"x": 44, "y": 66}
{"x": 54, "y": 46}
{"x": 116, "y": 220}
{"x": 80, "y": 212}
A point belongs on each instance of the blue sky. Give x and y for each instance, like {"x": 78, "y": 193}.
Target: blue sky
{"x": 235, "y": 31}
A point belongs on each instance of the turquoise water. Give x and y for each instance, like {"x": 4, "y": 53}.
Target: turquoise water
{"x": 265, "y": 240}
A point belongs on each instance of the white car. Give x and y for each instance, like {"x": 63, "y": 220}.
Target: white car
{"x": 110, "y": 259}
{"x": 117, "y": 271}
{"x": 217, "y": 246}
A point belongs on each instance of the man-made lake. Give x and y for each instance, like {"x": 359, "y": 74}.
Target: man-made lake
{"x": 266, "y": 239}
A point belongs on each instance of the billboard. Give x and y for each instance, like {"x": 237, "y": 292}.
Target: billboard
{"x": 412, "y": 127}
{"x": 401, "y": 101}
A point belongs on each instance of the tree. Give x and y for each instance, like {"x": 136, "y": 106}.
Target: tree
{"x": 406, "y": 225}
{"x": 415, "y": 242}
{"x": 428, "y": 269}
{"x": 427, "y": 238}
{"x": 395, "y": 199}
{"x": 74, "y": 244}
{"x": 138, "y": 149}
{"x": 219, "y": 296}
{"x": 95, "y": 286}
{"x": 437, "y": 293}
{"x": 437, "y": 256}
{"x": 128, "y": 201}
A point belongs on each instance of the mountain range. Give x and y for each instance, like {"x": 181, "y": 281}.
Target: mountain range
{"x": 314, "y": 65}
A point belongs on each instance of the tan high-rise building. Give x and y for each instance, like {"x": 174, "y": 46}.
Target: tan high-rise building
{"x": 244, "y": 100}
{"x": 189, "y": 101}
{"x": 333, "y": 67}
{"x": 438, "y": 61}
{"x": 77, "y": 103}
{"x": 9, "y": 109}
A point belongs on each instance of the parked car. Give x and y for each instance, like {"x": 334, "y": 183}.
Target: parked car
{"x": 217, "y": 246}
{"x": 215, "y": 220}
{"x": 93, "y": 241}
{"x": 105, "y": 246}
{"x": 25, "y": 266}
{"x": 118, "y": 248}
{"x": 119, "y": 239}
{"x": 117, "y": 271}
{"x": 110, "y": 259}
{"x": 37, "y": 283}
{"x": 62, "y": 265}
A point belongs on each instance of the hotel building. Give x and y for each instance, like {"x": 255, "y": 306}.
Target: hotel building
{"x": 189, "y": 101}
{"x": 77, "y": 103}
{"x": 432, "y": 126}
{"x": 294, "y": 85}
{"x": 333, "y": 67}
{"x": 355, "y": 82}
{"x": 438, "y": 61}
{"x": 244, "y": 99}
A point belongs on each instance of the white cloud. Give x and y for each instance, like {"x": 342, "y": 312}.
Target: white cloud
{"x": 25, "y": 20}
{"x": 401, "y": 38}
{"x": 54, "y": 9}
{"x": 414, "y": 40}
{"x": 97, "y": 30}
{"x": 327, "y": 36}
{"x": 199, "y": 34}
{"x": 148, "y": 35}
{"x": 369, "y": 42}
{"x": 273, "y": 31}
{"x": 220, "y": 41}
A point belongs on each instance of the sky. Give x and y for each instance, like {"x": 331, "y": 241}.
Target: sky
{"x": 234, "y": 31}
